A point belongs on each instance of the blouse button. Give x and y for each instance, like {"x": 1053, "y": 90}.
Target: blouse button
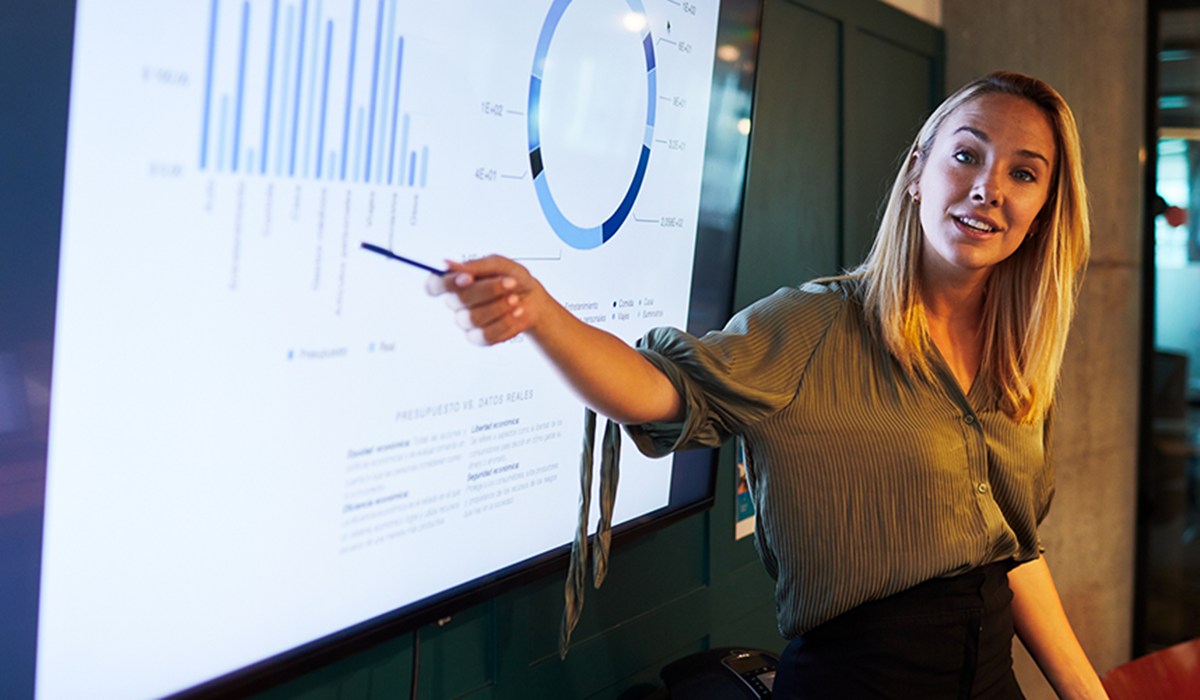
{"x": 969, "y": 419}
{"x": 983, "y": 488}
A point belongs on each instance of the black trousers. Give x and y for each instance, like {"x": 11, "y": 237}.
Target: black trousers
{"x": 945, "y": 639}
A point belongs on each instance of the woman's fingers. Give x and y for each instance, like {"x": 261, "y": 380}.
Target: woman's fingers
{"x": 486, "y": 291}
{"x": 494, "y": 323}
{"x": 449, "y": 282}
{"x": 462, "y": 277}
{"x": 485, "y": 313}
{"x": 491, "y": 266}
{"x": 489, "y": 297}
{"x": 499, "y": 330}
{"x": 482, "y": 293}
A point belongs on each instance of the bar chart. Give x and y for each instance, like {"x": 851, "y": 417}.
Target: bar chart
{"x": 302, "y": 90}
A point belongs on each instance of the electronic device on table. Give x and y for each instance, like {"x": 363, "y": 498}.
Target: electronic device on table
{"x": 727, "y": 673}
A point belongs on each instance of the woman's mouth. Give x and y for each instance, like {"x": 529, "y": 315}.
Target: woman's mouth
{"x": 974, "y": 226}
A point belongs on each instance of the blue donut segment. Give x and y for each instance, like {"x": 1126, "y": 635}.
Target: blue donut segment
{"x": 571, "y": 234}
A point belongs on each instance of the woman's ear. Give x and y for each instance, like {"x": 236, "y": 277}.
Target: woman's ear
{"x": 913, "y": 190}
{"x": 1034, "y": 227}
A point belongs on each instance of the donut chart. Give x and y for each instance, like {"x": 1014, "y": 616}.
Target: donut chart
{"x": 574, "y": 235}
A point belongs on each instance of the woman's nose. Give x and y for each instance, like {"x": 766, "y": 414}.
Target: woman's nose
{"x": 986, "y": 188}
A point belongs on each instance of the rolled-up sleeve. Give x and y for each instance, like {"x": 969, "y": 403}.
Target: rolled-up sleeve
{"x": 732, "y": 379}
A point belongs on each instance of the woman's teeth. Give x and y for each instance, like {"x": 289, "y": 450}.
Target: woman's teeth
{"x": 975, "y": 224}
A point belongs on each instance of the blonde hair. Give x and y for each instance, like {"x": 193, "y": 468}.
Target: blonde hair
{"x": 1029, "y": 300}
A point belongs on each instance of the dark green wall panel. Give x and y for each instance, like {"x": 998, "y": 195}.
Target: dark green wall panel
{"x": 842, "y": 89}
{"x": 457, "y": 658}
{"x": 790, "y": 225}
{"x": 890, "y": 80}
{"x": 678, "y": 556}
{"x": 743, "y": 594}
{"x": 622, "y": 652}
{"x": 646, "y": 682}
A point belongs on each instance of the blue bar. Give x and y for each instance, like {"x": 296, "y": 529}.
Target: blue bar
{"x": 283, "y": 90}
{"x": 270, "y": 83}
{"x": 324, "y": 96}
{"x": 395, "y": 108}
{"x": 212, "y": 47}
{"x": 387, "y": 81}
{"x": 412, "y": 164}
{"x": 312, "y": 89}
{"x": 424, "y": 163}
{"x": 403, "y": 148}
{"x": 299, "y": 75}
{"x": 237, "y": 119}
{"x": 358, "y": 145}
{"x": 374, "y": 93}
{"x": 349, "y": 90}
{"x": 221, "y": 141}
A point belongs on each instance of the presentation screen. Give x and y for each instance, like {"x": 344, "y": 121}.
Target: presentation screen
{"x": 262, "y": 433}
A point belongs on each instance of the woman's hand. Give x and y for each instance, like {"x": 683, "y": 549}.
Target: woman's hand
{"x": 494, "y": 298}
{"x": 1042, "y": 625}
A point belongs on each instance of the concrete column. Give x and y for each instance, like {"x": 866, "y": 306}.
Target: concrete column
{"x": 1093, "y": 54}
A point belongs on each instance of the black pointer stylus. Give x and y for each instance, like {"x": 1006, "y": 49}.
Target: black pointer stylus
{"x": 389, "y": 254}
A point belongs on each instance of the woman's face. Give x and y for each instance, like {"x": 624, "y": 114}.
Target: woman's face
{"x": 985, "y": 181}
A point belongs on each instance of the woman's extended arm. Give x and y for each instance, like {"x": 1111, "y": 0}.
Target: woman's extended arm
{"x": 1044, "y": 630}
{"x": 496, "y": 299}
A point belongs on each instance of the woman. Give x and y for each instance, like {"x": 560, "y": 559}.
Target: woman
{"x": 896, "y": 418}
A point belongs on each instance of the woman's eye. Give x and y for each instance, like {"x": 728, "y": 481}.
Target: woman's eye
{"x": 1025, "y": 176}
{"x": 964, "y": 157}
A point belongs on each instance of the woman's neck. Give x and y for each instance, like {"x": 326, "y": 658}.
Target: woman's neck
{"x": 953, "y": 315}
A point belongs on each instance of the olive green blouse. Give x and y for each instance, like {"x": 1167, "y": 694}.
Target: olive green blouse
{"x": 867, "y": 479}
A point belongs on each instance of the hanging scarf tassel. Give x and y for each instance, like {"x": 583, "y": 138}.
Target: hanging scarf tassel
{"x": 609, "y": 472}
{"x": 577, "y": 567}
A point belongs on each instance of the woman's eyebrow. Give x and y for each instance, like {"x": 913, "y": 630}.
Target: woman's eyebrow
{"x": 982, "y": 136}
{"x": 1034, "y": 154}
